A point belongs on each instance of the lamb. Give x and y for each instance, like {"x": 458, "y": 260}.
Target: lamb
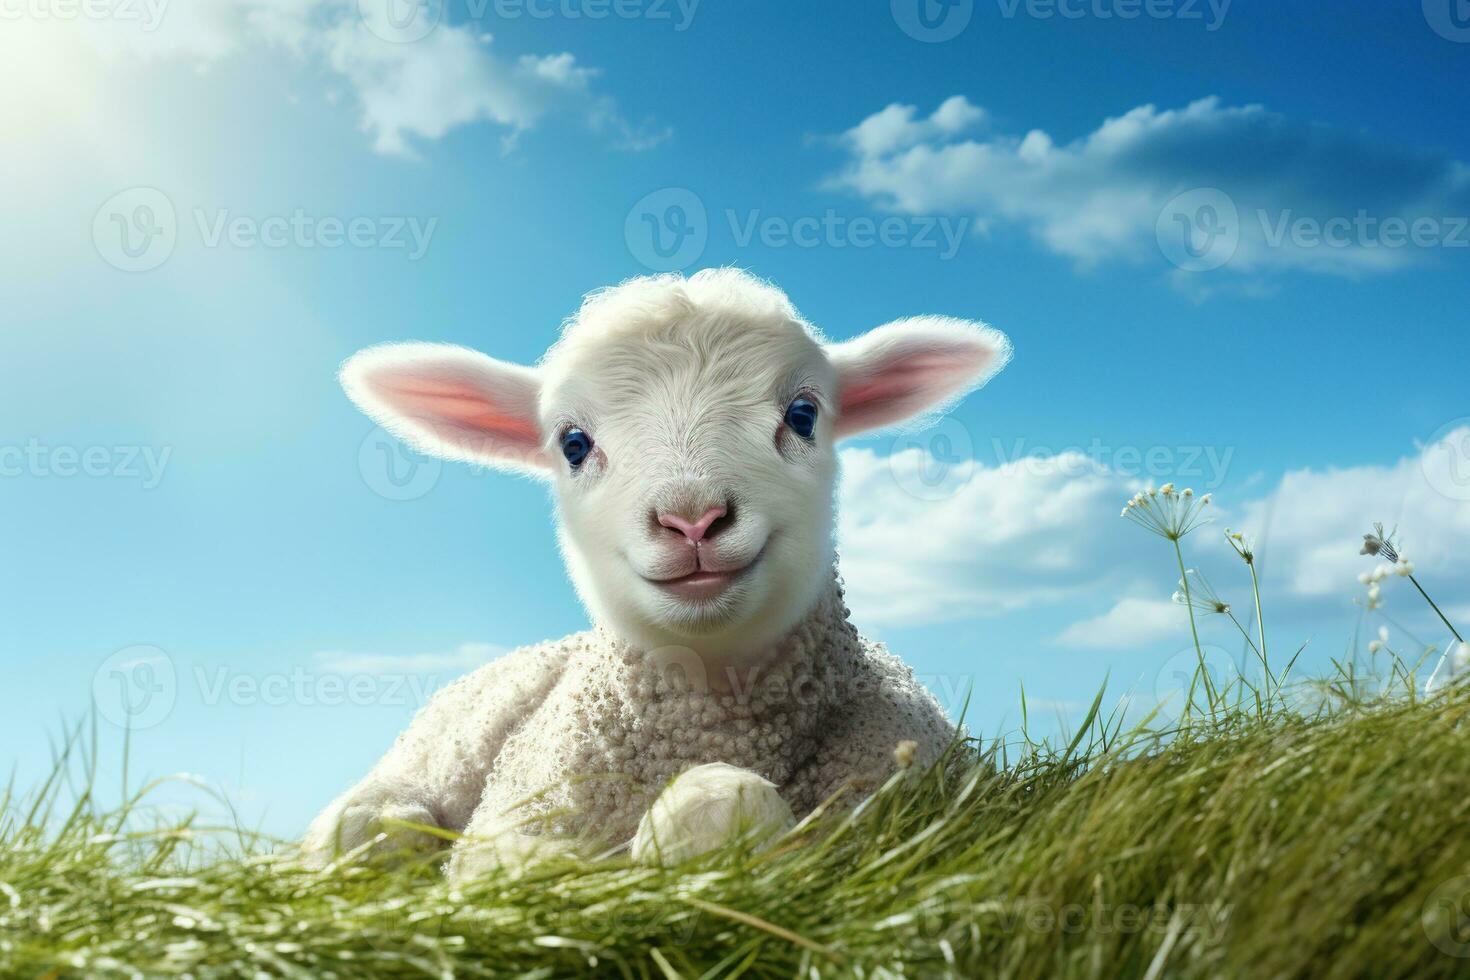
{"x": 688, "y": 427}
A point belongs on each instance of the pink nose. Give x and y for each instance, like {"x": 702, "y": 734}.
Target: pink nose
{"x": 694, "y": 532}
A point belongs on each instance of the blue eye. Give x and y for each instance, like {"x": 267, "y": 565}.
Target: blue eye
{"x": 575, "y": 445}
{"x": 801, "y": 417}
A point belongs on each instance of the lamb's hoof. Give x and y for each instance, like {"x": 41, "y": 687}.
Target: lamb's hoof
{"x": 706, "y": 807}
{"x": 386, "y": 827}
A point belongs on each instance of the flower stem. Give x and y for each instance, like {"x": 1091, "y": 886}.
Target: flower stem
{"x": 1248, "y": 638}
{"x": 1198, "y": 651}
{"x": 1441, "y": 615}
{"x": 1261, "y": 627}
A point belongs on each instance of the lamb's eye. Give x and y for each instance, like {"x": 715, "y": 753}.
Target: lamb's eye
{"x": 801, "y": 417}
{"x": 575, "y": 445}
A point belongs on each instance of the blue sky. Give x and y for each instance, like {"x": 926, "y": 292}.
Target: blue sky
{"x": 193, "y": 511}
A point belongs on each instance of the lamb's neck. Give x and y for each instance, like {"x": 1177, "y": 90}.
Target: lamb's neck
{"x": 807, "y": 662}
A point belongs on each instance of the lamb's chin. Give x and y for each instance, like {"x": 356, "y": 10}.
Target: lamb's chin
{"x": 663, "y": 618}
{"x": 701, "y": 615}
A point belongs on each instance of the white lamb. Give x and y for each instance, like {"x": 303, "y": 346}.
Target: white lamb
{"x": 688, "y": 427}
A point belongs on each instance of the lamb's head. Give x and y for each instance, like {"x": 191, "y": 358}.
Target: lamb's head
{"x": 688, "y": 427}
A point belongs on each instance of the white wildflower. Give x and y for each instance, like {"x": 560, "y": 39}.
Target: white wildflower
{"x": 1380, "y": 543}
{"x": 1166, "y": 513}
{"x": 1242, "y": 546}
{"x": 1201, "y": 594}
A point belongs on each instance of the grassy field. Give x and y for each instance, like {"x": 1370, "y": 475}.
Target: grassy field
{"x": 1272, "y": 829}
{"x": 1259, "y": 841}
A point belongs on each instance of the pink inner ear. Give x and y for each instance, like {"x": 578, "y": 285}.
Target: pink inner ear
{"x": 456, "y": 402}
{"x": 903, "y": 384}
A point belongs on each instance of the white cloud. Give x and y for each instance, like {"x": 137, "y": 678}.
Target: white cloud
{"x": 895, "y": 128}
{"x": 1317, "y": 519}
{"x": 445, "y": 80}
{"x": 465, "y": 657}
{"x": 1044, "y": 532}
{"x": 406, "y": 89}
{"x": 1036, "y": 530}
{"x": 1101, "y": 197}
{"x": 1130, "y": 623}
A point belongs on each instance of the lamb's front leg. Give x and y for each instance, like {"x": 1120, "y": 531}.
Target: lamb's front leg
{"x": 434, "y": 775}
{"x": 704, "y": 808}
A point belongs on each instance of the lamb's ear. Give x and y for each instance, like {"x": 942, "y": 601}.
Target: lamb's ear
{"x": 451, "y": 402}
{"x": 912, "y": 367}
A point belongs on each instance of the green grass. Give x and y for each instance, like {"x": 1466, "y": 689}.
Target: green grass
{"x": 1328, "y": 841}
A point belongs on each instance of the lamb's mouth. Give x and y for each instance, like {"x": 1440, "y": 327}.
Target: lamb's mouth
{"x": 704, "y": 585}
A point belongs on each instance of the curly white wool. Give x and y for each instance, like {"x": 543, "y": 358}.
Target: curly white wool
{"x": 576, "y": 738}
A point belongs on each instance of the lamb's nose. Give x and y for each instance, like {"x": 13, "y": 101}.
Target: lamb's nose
{"x": 695, "y": 531}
